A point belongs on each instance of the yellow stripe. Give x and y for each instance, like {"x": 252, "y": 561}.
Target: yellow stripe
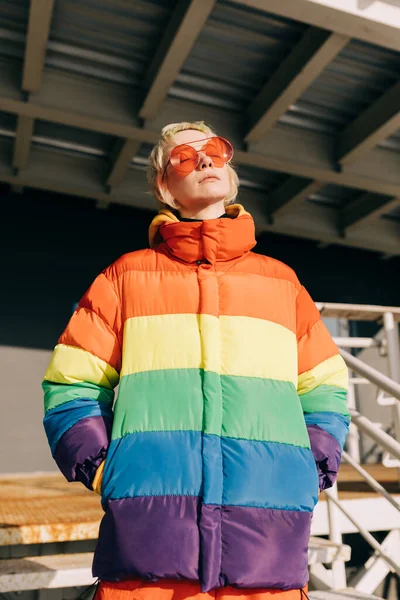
{"x": 258, "y": 348}
{"x": 332, "y": 371}
{"x": 241, "y": 346}
{"x": 72, "y": 365}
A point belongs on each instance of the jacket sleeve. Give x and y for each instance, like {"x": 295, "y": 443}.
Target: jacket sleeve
{"x": 322, "y": 388}
{"x": 79, "y": 384}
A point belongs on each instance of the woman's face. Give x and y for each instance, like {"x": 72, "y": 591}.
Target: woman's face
{"x": 204, "y": 186}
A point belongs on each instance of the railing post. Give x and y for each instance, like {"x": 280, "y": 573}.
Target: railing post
{"x": 335, "y": 535}
{"x": 393, "y": 348}
{"x": 353, "y": 439}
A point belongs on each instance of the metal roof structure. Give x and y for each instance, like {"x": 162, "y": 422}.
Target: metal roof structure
{"x": 308, "y": 91}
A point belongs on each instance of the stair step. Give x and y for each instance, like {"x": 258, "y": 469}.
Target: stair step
{"x": 46, "y": 572}
{"x": 325, "y": 551}
{"x": 346, "y": 594}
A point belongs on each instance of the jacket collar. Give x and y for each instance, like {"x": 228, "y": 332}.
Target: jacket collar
{"x": 210, "y": 240}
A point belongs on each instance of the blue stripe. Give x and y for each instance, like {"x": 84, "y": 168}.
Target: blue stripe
{"x": 60, "y": 419}
{"x": 269, "y": 475}
{"x": 213, "y": 467}
{"x": 154, "y": 463}
{"x": 334, "y": 423}
{"x": 231, "y": 471}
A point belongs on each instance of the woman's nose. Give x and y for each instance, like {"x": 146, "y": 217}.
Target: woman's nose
{"x": 204, "y": 161}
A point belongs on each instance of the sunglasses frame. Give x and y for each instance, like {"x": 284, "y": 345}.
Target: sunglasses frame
{"x": 198, "y": 142}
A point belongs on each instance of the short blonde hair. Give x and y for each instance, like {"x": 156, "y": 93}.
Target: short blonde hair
{"x": 157, "y": 164}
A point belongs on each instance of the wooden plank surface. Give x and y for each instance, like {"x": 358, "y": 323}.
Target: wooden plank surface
{"x": 44, "y": 508}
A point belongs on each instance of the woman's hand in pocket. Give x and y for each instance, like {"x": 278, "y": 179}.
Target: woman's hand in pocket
{"x": 98, "y": 478}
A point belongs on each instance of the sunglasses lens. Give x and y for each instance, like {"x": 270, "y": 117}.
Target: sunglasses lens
{"x": 219, "y": 150}
{"x": 184, "y": 158}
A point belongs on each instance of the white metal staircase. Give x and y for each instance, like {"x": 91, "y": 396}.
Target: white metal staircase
{"x": 348, "y": 515}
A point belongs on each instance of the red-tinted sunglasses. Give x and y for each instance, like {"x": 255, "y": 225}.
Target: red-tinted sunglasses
{"x": 185, "y": 158}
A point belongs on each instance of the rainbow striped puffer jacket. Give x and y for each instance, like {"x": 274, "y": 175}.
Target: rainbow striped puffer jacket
{"x": 231, "y": 411}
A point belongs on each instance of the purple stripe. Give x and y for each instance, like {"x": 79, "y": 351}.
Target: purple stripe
{"x": 265, "y": 548}
{"x": 211, "y": 546}
{"x": 327, "y": 454}
{"x": 169, "y": 537}
{"x": 82, "y": 448}
{"x": 149, "y": 537}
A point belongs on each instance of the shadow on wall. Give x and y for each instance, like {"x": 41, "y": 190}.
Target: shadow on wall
{"x": 55, "y": 247}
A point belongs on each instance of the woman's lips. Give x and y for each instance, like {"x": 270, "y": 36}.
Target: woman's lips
{"x": 209, "y": 179}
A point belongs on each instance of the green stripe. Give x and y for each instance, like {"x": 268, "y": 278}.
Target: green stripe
{"x": 165, "y": 400}
{"x": 325, "y": 398}
{"x": 59, "y": 393}
{"x": 263, "y": 409}
{"x": 249, "y": 408}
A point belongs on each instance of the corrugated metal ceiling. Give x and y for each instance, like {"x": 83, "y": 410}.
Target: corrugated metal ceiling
{"x": 334, "y": 195}
{"x": 234, "y": 56}
{"x": 13, "y": 25}
{"x": 116, "y": 41}
{"x": 111, "y": 40}
{"x": 358, "y": 76}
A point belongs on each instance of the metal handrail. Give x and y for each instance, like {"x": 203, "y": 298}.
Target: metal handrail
{"x": 365, "y": 534}
{"x": 356, "y": 342}
{"x": 371, "y": 481}
{"x": 373, "y": 375}
{"x": 374, "y": 432}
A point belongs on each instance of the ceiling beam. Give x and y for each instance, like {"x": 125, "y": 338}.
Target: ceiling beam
{"x": 374, "y": 125}
{"x": 286, "y": 197}
{"x": 40, "y": 14}
{"x": 320, "y": 224}
{"x": 121, "y": 157}
{"x": 316, "y": 49}
{"x": 185, "y": 26}
{"x": 366, "y": 208}
{"x": 78, "y": 119}
{"x": 376, "y": 22}
{"x": 22, "y": 143}
{"x": 284, "y": 149}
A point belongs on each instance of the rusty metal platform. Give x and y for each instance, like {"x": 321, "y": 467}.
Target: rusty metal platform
{"x": 43, "y": 508}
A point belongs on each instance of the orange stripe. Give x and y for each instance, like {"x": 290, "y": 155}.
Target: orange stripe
{"x": 315, "y": 347}
{"x": 229, "y": 593}
{"x": 307, "y": 313}
{"x": 89, "y": 332}
{"x": 182, "y": 590}
{"x": 235, "y": 293}
{"x": 102, "y": 298}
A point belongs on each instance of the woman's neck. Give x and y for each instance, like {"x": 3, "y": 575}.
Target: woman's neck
{"x": 206, "y": 212}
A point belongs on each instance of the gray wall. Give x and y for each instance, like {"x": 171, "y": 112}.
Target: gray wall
{"x": 23, "y": 444}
